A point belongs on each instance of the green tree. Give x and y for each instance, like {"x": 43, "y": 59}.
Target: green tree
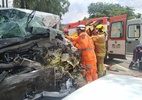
{"x": 138, "y": 15}
{"x": 101, "y": 9}
{"x": 58, "y": 7}
{"x": 85, "y": 18}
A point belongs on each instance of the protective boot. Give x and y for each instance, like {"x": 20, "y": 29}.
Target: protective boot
{"x": 140, "y": 65}
{"x": 131, "y": 65}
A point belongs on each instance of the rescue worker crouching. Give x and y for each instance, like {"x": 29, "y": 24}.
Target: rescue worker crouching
{"x": 137, "y": 56}
{"x": 99, "y": 39}
{"x": 85, "y": 45}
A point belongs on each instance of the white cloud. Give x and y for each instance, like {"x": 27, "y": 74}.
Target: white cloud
{"x": 135, "y": 4}
{"x": 78, "y": 8}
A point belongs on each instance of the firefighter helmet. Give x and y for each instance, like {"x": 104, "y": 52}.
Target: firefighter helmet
{"x": 81, "y": 27}
{"x": 65, "y": 30}
{"x": 100, "y": 27}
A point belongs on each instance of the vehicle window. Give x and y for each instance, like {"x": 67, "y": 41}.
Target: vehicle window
{"x": 134, "y": 31}
{"x": 116, "y": 30}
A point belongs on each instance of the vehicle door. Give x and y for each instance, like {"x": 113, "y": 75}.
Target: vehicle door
{"x": 117, "y": 37}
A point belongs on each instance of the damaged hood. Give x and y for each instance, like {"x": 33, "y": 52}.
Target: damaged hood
{"x": 48, "y": 19}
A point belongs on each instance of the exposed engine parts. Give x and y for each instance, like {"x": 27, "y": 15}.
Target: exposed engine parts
{"x": 29, "y": 53}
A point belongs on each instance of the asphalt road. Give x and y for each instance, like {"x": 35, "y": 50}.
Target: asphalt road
{"x": 120, "y": 66}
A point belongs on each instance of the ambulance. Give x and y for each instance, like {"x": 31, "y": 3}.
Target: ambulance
{"x": 134, "y": 34}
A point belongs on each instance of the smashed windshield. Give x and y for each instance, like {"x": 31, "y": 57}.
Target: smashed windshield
{"x": 16, "y": 23}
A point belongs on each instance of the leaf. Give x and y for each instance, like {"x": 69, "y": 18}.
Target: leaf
{"x": 101, "y": 9}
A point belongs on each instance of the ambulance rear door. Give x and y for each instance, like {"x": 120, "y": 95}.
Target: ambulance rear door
{"x": 134, "y": 31}
{"x": 116, "y": 44}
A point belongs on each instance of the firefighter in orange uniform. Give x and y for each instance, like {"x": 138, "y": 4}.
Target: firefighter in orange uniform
{"x": 88, "y": 58}
{"x": 99, "y": 39}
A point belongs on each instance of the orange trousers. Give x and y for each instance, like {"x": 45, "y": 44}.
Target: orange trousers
{"x": 90, "y": 73}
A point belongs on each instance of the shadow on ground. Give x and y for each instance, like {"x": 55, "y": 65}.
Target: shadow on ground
{"x": 113, "y": 61}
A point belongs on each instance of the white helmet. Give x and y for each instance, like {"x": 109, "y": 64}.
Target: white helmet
{"x": 81, "y": 27}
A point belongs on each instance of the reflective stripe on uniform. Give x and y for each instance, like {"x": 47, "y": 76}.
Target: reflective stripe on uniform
{"x": 87, "y": 49}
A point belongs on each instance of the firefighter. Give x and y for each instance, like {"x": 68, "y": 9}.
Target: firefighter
{"x": 89, "y": 29}
{"x": 99, "y": 39}
{"x": 66, "y": 32}
{"x": 74, "y": 34}
{"x": 137, "y": 55}
{"x": 88, "y": 58}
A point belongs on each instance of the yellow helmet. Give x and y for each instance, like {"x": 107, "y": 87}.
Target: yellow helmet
{"x": 89, "y": 27}
{"x": 101, "y": 27}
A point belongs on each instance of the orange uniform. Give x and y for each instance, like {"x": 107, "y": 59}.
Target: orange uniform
{"x": 88, "y": 58}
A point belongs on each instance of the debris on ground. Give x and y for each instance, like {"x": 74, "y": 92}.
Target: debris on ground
{"x": 111, "y": 68}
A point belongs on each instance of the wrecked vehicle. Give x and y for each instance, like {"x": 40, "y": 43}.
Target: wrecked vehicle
{"x": 34, "y": 55}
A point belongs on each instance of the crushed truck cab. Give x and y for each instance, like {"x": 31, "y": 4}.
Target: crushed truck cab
{"x": 34, "y": 55}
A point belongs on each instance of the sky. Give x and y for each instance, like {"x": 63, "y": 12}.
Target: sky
{"x": 78, "y": 8}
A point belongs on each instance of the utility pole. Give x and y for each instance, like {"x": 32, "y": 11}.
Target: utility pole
{"x": 2, "y": 3}
{"x": 7, "y": 3}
